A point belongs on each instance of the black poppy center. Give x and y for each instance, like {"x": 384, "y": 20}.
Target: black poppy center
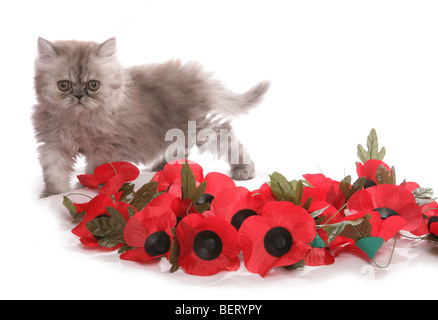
{"x": 369, "y": 183}
{"x": 278, "y": 241}
{"x": 240, "y": 216}
{"x": 157, "y": 243}
{"x": 386, "y": 212}
{"x": 432, "y": 220}
{"x": 207, "y": 245}
{"x": 206, "y": 198}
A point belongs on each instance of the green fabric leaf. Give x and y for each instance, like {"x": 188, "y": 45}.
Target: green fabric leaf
{"x": 72, "y": 209}
{"x": 348, "y": 189}
{"x": 189, "y": 189}
{"x": 353, "y": 229}
{"x": 383, "y": 176}
{"x": 370, "y": 245}
{"x": 423, "y": 196}
{"x": 285, "y": 190}
{"x": 318, "y": 242}
{"x": 174, "y": 252}
{"x": 297, "y": 265}
{"x": 373, "y": 151}
{"x": 144, "y": 195}
{"x": 128, "y": 192}
{"x": 108, "y": 230}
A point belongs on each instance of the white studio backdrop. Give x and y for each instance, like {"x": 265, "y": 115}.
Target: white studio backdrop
{"x": 338, "y": 69}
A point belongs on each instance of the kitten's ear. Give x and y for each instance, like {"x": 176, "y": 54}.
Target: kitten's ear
{"x": 46, "y": 48}
{"x": 108, "y": 48}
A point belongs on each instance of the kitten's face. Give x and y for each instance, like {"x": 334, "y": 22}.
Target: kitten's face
{"x": 78, "y": 76}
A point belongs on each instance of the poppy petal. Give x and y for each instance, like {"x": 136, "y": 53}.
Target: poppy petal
{"x": 390, "y": 226}
{"x": 251, "y": 240}
{"x": 292, "y": 217}
{"x": 319, "y": 257}
{"x": 90, "y": 180}
{"x": 138, "y": 254}
{"x": 413, "y": 215}
{"x": 109, "y": 170}
{"x": 113, "y": 185}
{"x": 369, "y": 169}
{"x": 216, "y": 182}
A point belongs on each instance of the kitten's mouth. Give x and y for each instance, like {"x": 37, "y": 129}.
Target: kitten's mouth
{"x": 79, "y": 104}
{"x": 76, "y": 107}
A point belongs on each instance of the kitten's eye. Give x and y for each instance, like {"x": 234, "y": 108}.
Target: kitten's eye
{"x": 93, "y": 85}
{"x": 64, "y": 85}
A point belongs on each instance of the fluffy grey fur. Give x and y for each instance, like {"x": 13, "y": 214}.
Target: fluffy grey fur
{"x": 128, "y": 115}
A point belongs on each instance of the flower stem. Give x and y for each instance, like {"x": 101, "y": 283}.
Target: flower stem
{"x": 340, "y": 209}
{"x": 360, "y": 235}
{"x": 429, "y": 209}
{"x": 79, "y": 194}
{"x": 413, "y": 238}
{"x": 109, "y": 161}
{"x": 390, "y": 259}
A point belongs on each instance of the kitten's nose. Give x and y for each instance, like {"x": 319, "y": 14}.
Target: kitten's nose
{"x": 79, "y": 96}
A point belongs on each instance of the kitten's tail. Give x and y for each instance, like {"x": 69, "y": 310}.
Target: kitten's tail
{"x": 232, "y": 104}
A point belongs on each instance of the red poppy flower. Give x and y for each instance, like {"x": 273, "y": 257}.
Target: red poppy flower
{"x": 279, "y": 237}
{"x": 208, "y": 245}
{"x": 329, "y": 215}
{"x": 429, "y": 210}
{"x": 237, "y": 204}
{"x": 216, "y": 183}
{"x": 102, "y": 174}
{"x": 328, "y": 212}
{"x": 149, "y": 232}
{"x": 381, "y": 231}
{"x": 388, "y": 200}
{"x": 369, "y": 171}
{"x": 323, "y": 189}
{"x": 97, "y": 207}
{"x": 264, "y": 193}
{"x": 382, "y": 228}
{"x": 171, "y": 174}
{"x": 179, "y": 207}
{"x": 320, "y": 254}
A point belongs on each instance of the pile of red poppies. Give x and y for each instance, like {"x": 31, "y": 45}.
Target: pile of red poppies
{"x": 206, "y": 224}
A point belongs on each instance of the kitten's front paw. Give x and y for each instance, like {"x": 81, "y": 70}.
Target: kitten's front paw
{"x": 48, "y": 191}
{"x": 243, "y": 171}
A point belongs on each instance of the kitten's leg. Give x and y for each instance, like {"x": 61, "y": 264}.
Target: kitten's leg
{"x": 219, "y": 138}
{"x": 158, "y": 165}
{"x": 91, "y": 164}
{"x": 57, "y": 168}
{"x": 244, "y": 169}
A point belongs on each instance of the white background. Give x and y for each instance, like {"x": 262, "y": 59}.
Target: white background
{"x": 338, "y": 69}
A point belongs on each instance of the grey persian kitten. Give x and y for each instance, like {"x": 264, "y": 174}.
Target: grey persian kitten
{"x": 88, "y": 104}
